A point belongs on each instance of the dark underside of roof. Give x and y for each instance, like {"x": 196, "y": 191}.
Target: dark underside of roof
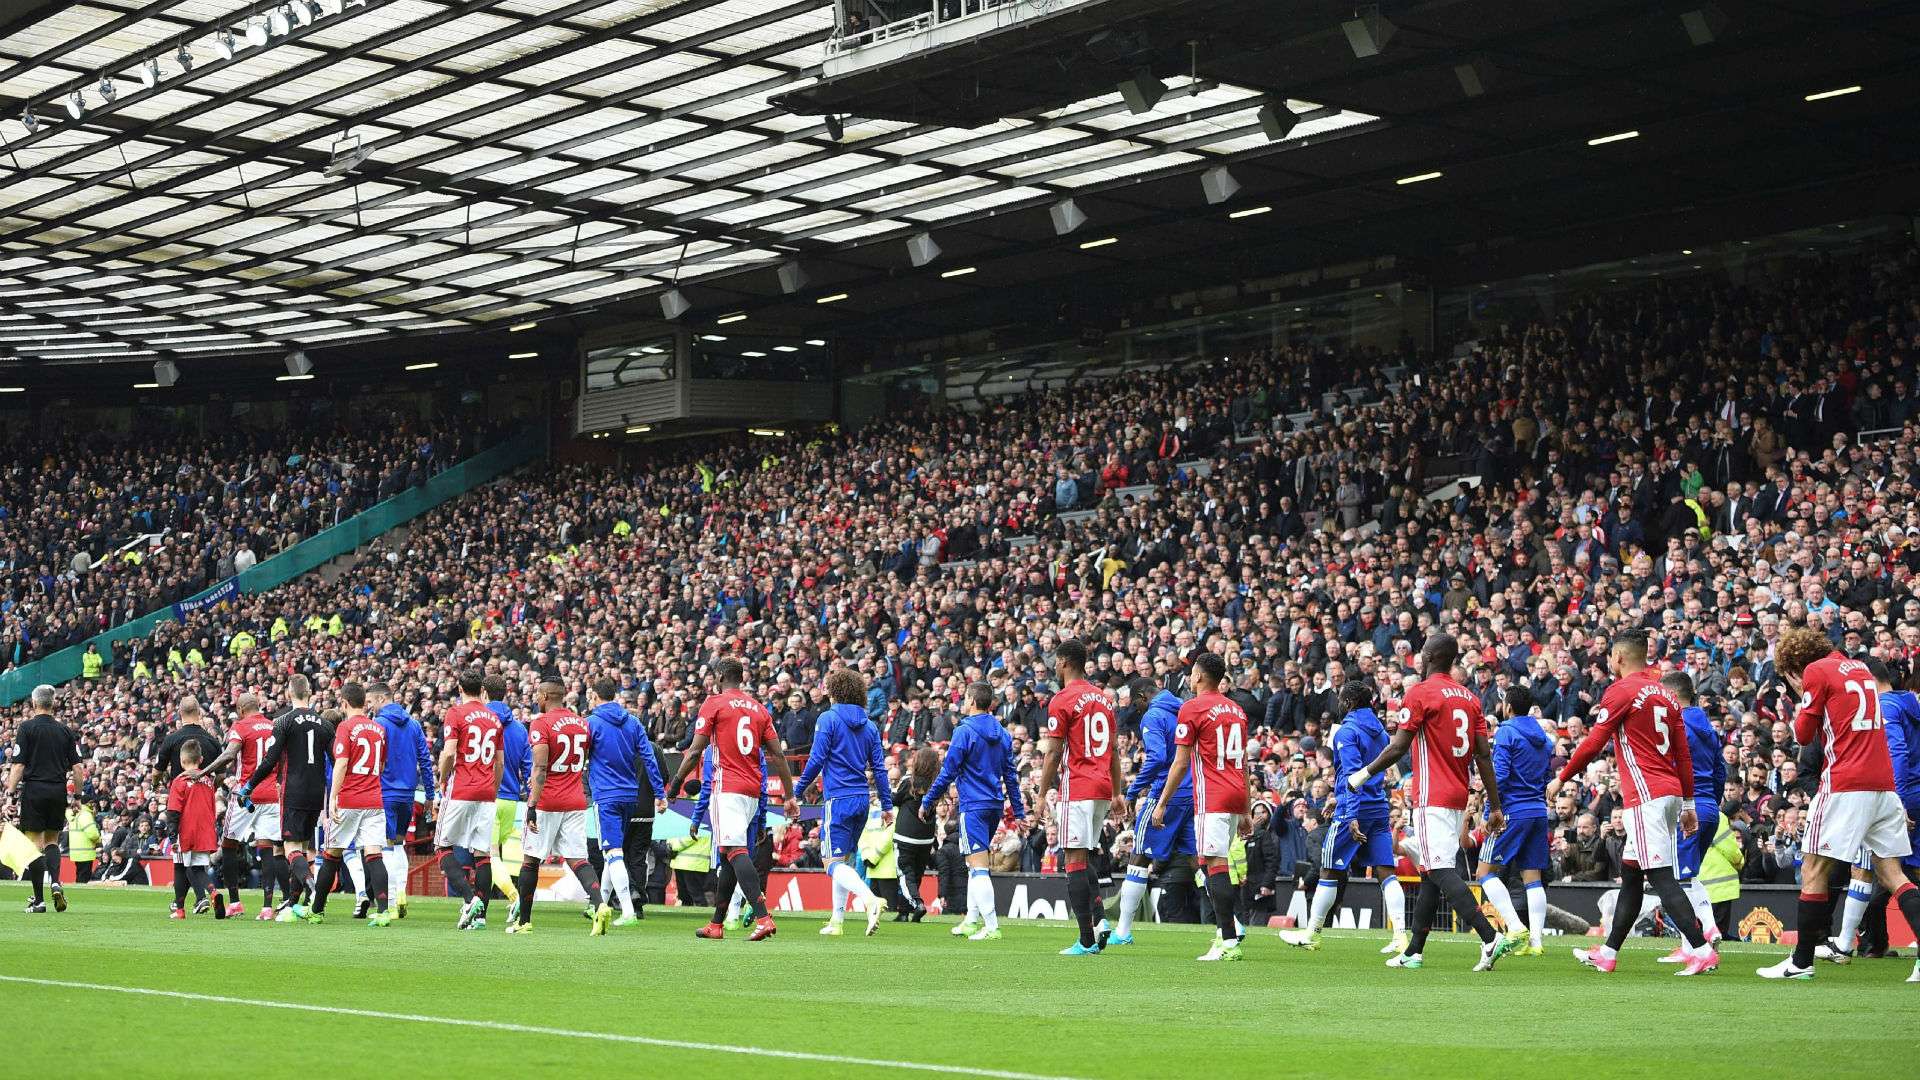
{"x": 1727, "y": 145}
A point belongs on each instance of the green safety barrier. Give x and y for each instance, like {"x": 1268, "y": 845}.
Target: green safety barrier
{"x": 302, "y": 557}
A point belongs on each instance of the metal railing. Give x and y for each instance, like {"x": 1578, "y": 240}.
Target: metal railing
{"x": 938, "y": 13}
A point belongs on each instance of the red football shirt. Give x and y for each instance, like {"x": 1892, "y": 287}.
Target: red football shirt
{"x": 737, "y": 726}
{"x": 1445, "y": 718}
{"x": 360, "y": 749}
{"x": 253, "y": 733}
{"x": 568, "y": 737}
{"x": 474, "y": 733}
{"x": 193, "y": 801}
{"x": 1840, "y": 704}
{"x": 1649, "y": 740}
{"x": 1081, "y": 717}
{"x": 1216, "y": 728}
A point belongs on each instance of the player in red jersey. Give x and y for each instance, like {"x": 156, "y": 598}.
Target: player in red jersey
{"x": 1642, "y": 722}
{"x": 190, "y": 816}
{"x": 249, "y": 740}
{"x": 356, "y": 816}
{"x": 1210, "y": 738}
{"x": 1442, "y": 722}
{"x": 469, "y": 779}
{"x": 745, "y": 746}
{"x": 1856, "y": 813}
{"x": 1080, "y": 728}
{"x": 559, "y": 740}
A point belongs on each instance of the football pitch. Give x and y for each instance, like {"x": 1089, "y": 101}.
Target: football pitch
{"x": 112, "y": 988}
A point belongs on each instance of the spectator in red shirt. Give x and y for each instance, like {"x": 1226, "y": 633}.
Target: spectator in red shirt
{"x": 787, "y": 850}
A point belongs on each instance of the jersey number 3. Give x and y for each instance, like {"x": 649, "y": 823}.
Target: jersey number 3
{"x": 1464, "y": 733}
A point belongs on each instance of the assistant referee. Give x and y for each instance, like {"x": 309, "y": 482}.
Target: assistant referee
{"x": 45, "y": 755}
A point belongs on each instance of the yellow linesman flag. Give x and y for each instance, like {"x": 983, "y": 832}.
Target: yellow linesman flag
{"x": 16, "y": 851}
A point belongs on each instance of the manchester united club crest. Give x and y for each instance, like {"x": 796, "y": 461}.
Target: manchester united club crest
{"x": 1761, "y": 926}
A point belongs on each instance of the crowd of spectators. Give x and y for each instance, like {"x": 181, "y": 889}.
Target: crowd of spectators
{"x": 98, "y": 530}
{"x": 1713, "y": 462}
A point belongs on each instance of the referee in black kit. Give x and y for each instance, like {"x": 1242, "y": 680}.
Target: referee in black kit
{"x": 45, "y": 753}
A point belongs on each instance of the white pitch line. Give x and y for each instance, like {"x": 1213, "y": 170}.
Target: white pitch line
{"x": 536, "y": 1029}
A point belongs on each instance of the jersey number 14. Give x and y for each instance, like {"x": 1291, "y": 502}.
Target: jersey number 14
{"x": 1230, "y": 746}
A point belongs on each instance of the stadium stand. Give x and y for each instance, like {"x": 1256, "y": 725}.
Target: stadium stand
{"x": 1706, "y": 460}
{"x": 96, "y": 531}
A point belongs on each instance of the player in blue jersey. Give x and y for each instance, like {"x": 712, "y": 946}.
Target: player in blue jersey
{"x": 1900, "y": 713}
{"x": 1154, "y": 846}
{"x": 509, "y": 810}
{"x": 619, "y": 755}
{"x": 408, "y": 767}
{"x": 979, "y": 765}
{"x": 1361, "y": 834}
{"x": 846, "y": 749}
{"x": 1522, "y": 765}
{"x": 709, "y": 761}
{"x": 1707, "y": 751}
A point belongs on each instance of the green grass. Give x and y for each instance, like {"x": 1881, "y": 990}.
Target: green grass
{"x": 913, "y": 993}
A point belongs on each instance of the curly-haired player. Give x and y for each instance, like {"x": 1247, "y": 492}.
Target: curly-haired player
{"x": 1362, "y": 831}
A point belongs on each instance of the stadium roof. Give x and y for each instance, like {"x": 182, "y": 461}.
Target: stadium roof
{"x": 520, "y": 157}
{"x": 437, "y": 166}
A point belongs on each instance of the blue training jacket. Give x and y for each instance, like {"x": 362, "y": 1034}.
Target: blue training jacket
{"x": 1356, "y": 742}
{"x": 409, "y": 764}
{"x": 1522, "y": 765}
{"x": 1156, "y": 747}
{"x": 1901, "y": 712}
{"x": 1709, "y": 764}
{"x": 980, "y": 759}
{"x": 619, "y": 749}
{"x": 845, "y": 746}
{"x": 518, "y": 761}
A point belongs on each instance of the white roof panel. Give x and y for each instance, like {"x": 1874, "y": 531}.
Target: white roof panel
{"x": 483, "y": 164}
